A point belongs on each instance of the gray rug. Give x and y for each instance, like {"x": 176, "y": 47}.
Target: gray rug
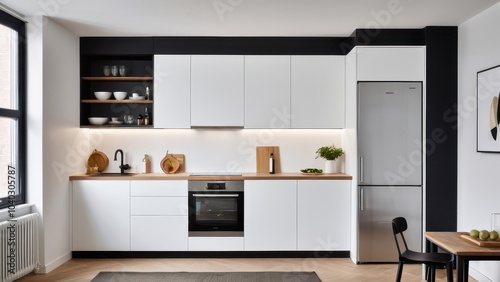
{"x": 206, "y": 277}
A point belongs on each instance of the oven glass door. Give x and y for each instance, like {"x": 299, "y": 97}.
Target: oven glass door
{"x": 216, "y": 211}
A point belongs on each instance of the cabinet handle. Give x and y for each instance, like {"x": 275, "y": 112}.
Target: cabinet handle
{"x": 362, "y": 199}
{"x": 361, "y": 169}
{"x": 216, "y": 195}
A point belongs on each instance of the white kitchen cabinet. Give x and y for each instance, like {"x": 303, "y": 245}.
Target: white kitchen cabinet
{"x": 172, "y": 91}
{"x": 159, "y": 233}
{"x": 267, "y": 91}
{"x": 317, "y": 91}
{"x": 159, "y": 206}
{"x": 101, "y": 215}
{"x": 270, "y": 215}
{"x": 159, "y": 215}
{"x": 162, "y": 188}
{"x": 217, "y": 90}
{"x": 390, "y": 63}
{"x": 324, "y": 208}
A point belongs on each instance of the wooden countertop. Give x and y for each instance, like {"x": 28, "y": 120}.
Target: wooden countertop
{"x": 188, "y": 176}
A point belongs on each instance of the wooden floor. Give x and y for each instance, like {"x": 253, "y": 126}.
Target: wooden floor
{"x": 328, "y": 269}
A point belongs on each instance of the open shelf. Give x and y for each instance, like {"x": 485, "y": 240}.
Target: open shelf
{"x": 117, "y": 126}
{"x": 138, "y": 77}
{"x": 118, "y": 78}
{"x": 117, "y": 101}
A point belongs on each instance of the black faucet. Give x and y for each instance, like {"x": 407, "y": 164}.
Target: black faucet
{"x": 123, "y": 167}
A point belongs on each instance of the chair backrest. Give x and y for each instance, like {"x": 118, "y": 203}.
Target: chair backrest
{"x": 399, "y": 225}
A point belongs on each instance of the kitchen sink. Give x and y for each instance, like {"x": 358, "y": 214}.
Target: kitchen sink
{"x": 114, "y": 174}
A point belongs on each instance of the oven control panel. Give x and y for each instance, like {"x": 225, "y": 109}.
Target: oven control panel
{"x": 216, "y": 186}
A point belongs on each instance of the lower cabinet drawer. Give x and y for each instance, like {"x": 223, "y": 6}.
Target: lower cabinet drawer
{"x": 159, "y": 206}
{"x": 159, "y": 233}
{"x": 216, "y": 244}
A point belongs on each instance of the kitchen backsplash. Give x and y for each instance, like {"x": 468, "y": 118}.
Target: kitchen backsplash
{"x": 212, "y": 150}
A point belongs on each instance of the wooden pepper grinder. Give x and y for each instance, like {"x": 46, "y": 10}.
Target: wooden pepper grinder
{"x": 147, "y": 164}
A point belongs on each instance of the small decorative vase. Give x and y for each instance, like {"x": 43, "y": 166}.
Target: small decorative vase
{"x": 330, "y": 166}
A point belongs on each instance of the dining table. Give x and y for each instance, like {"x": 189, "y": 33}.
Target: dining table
{"x": 465, "y": 249}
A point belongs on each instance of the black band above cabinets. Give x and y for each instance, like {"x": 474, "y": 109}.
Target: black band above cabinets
{"x": 253, "y": 45}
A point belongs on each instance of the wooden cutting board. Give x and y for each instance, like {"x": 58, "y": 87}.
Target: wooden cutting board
{"x": 481, "y": 243}
{"x": 262, "y": 159}
{"x": 179, "y": 158}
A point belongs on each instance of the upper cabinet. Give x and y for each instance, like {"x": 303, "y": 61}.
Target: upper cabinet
{"x": 116, "y": 65}
{"x": 217, "y": 91}
{"x": 267, "y": 91}
{"x": 172, "y": 86}
{"x": 116, "y": 74}
{"x": 294, "y": 91}
{"x": 190, "y": 91}
{"x": 317, "y": 91}
{"x": 391, "y": 63}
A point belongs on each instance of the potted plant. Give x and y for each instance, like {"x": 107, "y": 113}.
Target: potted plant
{"x": 330, "y": 154}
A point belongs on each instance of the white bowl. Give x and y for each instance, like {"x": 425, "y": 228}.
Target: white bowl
{"x": 120, "y": 95}
{"x": 102, "y": 95}
{"x": 98, "y": 120}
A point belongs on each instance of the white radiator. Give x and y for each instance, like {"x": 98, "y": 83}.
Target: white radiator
{"x": 18, "y": 247}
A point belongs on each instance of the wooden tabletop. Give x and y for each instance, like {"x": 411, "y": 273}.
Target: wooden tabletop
{"x": 454, "y": 243}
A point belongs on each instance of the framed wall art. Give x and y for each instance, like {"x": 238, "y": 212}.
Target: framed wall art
{"x": 488, "y": 113}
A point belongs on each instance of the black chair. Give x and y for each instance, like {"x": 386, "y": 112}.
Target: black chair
{"x": 431, "y": 260}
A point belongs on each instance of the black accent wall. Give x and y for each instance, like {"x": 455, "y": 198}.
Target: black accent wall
{"x": 441, "y": 128}
{"x": 253, "y": 45}
{"x": 388, "y": 37}
{"x": 116, "y": 46}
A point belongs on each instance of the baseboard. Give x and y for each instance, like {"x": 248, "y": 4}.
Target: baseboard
{"x": 44, "y": 269}
{"x": 226, "y": 254}
{"x": 478, "y": 275}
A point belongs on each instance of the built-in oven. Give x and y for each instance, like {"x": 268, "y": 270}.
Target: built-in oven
{"x": 216, "y": 208}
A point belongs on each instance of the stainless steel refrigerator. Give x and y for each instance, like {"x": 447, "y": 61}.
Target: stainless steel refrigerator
{"x": 390, "y": 166}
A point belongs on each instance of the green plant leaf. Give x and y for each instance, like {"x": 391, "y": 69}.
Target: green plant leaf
{"x": 329, "y": 153}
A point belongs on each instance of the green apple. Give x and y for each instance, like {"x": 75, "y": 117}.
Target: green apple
{"x": 474, "y": 233}
{"x": 493, "y": 235}
{"x": 484, "y": 235}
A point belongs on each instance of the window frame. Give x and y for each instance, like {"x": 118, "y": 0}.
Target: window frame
{"x": 20, "y": 113}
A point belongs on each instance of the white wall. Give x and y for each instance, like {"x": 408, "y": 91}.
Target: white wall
{"x": 53, "y": 105}
{"x": 212, "y": 150}
{"x": 34, "y": 124}
{"x": 60, "y": 129}
{"x": 478, "y": 187}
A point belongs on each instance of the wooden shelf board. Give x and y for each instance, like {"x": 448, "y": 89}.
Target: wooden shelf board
{"x": 117, "y": 101}
{"x": 124, "y": 126}
{"x": 118, "y": 78}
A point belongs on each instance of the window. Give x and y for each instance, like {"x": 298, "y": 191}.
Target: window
{"x": 12, "y": 111}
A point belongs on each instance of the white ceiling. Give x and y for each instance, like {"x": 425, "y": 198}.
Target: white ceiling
{"x": 246, "y": 17}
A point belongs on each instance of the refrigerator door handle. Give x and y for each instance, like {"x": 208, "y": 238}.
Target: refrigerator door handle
{"x": 362, "y": 199}
{"x": 361, "y": 169}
